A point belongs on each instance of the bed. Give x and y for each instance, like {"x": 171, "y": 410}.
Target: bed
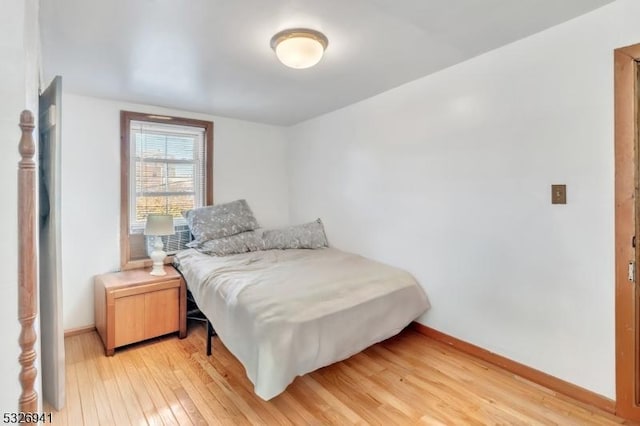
{"x": 285, "y": 313}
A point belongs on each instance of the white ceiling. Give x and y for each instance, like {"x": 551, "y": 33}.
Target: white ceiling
{"x": 213, "y": 56}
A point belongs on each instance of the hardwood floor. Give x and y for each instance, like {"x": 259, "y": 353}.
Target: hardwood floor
{"x": 409, "y": 379}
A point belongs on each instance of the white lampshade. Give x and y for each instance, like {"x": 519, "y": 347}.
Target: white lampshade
{"x": 299, "y": 48}
{"x": 159, "y": 224}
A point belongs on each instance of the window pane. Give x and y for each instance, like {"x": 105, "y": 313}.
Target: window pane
{"x": 180, "y": 148}
{"x": 180, "y": 203}
{"x": 180, "y": 177}
{"x": 159, "y": 146}
{"x": 164, "y": 177}
{"x": 151, "y": 146}
{"x": 173, "y": 205}
{"x": 150, "y": 177}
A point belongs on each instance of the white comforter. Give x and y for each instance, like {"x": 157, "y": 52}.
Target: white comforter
{"x": 284, "y": 313}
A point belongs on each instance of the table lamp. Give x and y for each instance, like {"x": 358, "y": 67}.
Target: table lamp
{"x": 158, "y": 225}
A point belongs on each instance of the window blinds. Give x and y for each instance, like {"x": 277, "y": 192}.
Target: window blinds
{"x": 167, "y": 171}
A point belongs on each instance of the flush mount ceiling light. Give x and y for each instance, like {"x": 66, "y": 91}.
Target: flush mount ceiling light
{"x": 299, "y": 47}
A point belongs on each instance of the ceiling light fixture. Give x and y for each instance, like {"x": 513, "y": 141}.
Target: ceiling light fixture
{"x": 299, "y": 47}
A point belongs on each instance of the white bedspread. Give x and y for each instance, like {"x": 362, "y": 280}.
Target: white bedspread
{"x": 284, "y": 313}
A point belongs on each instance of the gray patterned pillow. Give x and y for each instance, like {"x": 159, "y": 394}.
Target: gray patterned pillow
{"x": 220, "y": 220}
{"x": 307, "y": 236}
{"x": 239, "y": 243}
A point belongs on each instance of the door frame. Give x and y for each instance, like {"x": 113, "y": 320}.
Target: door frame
{"x": 626, "y": 227}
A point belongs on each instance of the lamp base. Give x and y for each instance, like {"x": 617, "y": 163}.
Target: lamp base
{"x": 158, "y": 255}
{"x": 158, "y": 270}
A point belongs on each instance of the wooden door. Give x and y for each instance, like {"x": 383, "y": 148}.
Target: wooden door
{"x": 50, "y": 269}
{"x": 627, "y": 231}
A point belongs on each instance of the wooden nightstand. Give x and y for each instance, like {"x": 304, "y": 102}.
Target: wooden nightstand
{"x": 133, "y": 305}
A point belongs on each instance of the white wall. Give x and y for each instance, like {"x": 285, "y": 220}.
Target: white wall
{"x": 449, "y": 177}
{"x": 249, "y": 162}
{"x": 18, "y": 91}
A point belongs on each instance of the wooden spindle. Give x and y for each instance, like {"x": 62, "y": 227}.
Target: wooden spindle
{"x": 27, "y": 263}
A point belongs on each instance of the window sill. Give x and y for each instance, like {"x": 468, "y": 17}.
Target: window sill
{"x": 144, "y": 263}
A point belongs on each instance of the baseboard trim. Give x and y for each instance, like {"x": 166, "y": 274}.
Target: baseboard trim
{"x": 555, "y": 384}
{"x": 79, "y": 330}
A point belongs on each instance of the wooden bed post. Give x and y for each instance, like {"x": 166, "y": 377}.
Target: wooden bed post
{"x": 27, "y": 263}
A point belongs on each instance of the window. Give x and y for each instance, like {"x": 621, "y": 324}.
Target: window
{"x": 166, "y": 169}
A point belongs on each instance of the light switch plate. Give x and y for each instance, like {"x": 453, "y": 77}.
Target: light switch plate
{"x": 558, "y": 194}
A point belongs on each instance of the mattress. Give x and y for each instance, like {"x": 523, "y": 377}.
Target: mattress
{"x": 285, "y": 313}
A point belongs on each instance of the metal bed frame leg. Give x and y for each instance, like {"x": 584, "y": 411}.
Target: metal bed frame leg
{"x": 210, "y": 335}
{"x": 194, "y": 313}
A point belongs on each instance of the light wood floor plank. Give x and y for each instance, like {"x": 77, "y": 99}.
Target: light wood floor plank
{"x": 525, "y": 398}
{"x": 492, "y": 385}
{"x": 205, "y": 406}
{"x": 230, "y": 397}
{"x": 332, "y": 401}
{"x": 409, "y": 379}
{"x": 103, "y": 408}
{"x": 152, "y": 388}
{"x": 350, "y": 392}
{"x": 72, "y": 412}
{"x": 227, "y": 365}
{"x": 131, "y": 404}
{"x": 85, "y": 386}
{"x": 137, "y": 384}
{"x": 163, "y": 378}
{"x": 194, "y": 372}
{"x": 296, "y": 413}
{"x": 523, "y": 406}
{"x": 189, "y": 407}
{"x": 219, "y": 388}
